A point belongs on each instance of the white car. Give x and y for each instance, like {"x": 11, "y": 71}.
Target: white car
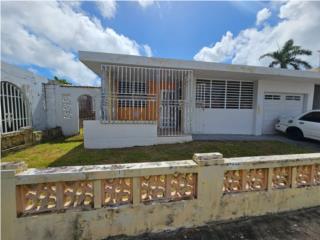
{"x": 306, "y": 125}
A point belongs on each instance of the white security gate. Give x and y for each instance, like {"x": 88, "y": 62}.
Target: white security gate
{"x": 168, "y": 109}
{"x": 15, "y": 110}
{"x": 147, "y": 96}
{"x": 277, "y": 105}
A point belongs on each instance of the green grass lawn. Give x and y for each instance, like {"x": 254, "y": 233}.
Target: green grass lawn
{"x": 70, "y": 151}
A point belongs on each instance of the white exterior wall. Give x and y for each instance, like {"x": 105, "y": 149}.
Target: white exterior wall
{"x": 223, "y": 121}
{"x": 281, "y": 86}
{"x": 100, "y": 135}
{"x": 32, "y": 86}
{"x": 245, "y": 121}
{"x": 55, "y": 106}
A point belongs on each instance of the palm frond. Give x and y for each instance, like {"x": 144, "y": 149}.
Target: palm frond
{"x": 267, "y": 55}
{"x": 305, "y": 64}
{"x": 301, "y": 52}
{"x": 273, "y": 63}
{"x": 295, "y": 66}
{"x": 287, "y": 46}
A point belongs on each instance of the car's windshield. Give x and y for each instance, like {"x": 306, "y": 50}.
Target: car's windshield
{"x": 311, "y": 117}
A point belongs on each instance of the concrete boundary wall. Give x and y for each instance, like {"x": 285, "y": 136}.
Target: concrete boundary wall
{"x": 63, "y": 106}
{"x": 94, "y": 202}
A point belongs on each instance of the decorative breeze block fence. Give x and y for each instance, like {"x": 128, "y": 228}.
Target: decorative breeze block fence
{"x": 209, "y": 185}
{"x": 57, "y": 196}
{"x": 52, "y": 196}
{"x": 281, "y": 177}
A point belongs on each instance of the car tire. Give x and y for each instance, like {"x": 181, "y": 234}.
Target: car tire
{"x": 295, "y": 133}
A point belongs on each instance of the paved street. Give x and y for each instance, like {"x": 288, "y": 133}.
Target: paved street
{"x": 298, "y": 225}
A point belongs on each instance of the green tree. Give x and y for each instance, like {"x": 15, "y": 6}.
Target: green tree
{"x": 287, "y": 56}
{"x": 61, "y": 81}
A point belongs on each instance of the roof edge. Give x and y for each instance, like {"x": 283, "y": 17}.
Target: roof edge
{"x": 123, "y": 59}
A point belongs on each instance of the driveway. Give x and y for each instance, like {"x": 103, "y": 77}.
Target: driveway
{"x": 312, "y": 144}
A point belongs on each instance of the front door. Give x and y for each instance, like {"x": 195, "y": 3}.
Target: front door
{"x": 168, "y": 111}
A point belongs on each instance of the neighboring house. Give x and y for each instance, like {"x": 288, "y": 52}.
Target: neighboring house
{"x": 28, "y": 100}
{"x": 22, "y": 99}
{"x": 151, "y": 100}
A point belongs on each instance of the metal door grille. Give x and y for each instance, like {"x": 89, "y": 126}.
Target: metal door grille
{"x": 15, "y": 112}
{"x": 86, "y": 109}
{"x": 147, "y": 95}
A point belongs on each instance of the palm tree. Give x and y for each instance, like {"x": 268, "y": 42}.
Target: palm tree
{"x": 287, "y": 56}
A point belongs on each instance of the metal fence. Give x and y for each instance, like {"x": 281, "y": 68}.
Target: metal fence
{"x": 15, "y": 112}
{"x": 147, "y": 95}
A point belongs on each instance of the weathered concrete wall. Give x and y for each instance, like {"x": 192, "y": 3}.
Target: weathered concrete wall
{"x": 26, "y": 137}
{"x": 63, "y": 108}
{"x": 14, "y": 140}
{"x": 32, "y": 85}
{"x": 136, "y": 198}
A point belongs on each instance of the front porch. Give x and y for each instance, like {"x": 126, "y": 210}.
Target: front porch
{"x": 141, "y": 106}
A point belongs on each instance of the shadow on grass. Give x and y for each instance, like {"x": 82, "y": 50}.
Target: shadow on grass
{"x": 78, "y": 155}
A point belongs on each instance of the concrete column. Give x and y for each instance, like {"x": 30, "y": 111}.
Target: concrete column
{"x": 136, "y": 195}
{"x": 97, "y": 190}
{"x": 18, "y": 166}
{"x": 210, "y": 183}
{"x": 50, "y": 99}
{"x": 259, "y": 108}
{"x": 103, "y": 93}
{"x": 8, "y": 204}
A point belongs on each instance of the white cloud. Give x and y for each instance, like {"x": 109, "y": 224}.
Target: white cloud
{"x": 49, "y": 34}
{"x": 147, "y": 50}
{"x": 107, "y": 8}
{"x": 145, "y": 3}
{"x": 263, "y": 15}
{"x": 298, "y": 20}
{"x": 219, "y": 52}
{"x": 33, "y": 70}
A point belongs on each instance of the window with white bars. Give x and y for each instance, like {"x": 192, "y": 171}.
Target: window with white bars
{"x": 136, "y": 89}
{"x": 224, "y": 94}
{"x": 14, "y": 108}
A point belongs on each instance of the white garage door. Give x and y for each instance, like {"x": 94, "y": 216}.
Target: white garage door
{"x": 277, "y": 105}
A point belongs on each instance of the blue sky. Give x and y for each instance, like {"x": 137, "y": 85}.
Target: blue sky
{"x": 49, "y": 34}
{"x": 179, "y": 29}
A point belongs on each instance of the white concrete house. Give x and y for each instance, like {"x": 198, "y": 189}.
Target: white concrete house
{"x": 152, "y": 100}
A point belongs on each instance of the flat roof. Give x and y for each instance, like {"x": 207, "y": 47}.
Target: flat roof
{"x": 93, "y": 60}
